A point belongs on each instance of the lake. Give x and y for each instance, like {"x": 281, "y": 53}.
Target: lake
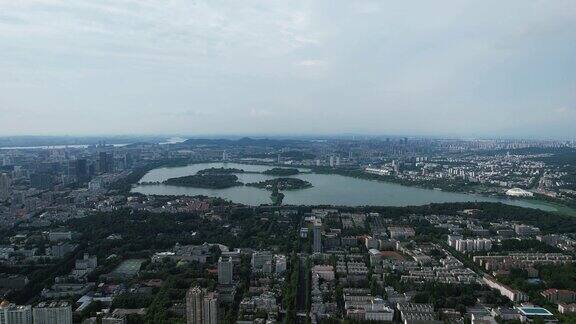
{"x": 329, "y": 189}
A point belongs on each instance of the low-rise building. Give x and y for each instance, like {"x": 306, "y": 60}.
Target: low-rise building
{"x": 401, "y": 232}
{"x": 558, "y": 296}
{"x": 325, "y": 272}
{"x": 512, "y": 294}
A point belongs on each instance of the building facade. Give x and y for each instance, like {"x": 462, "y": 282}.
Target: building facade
{"x": 317, "y": 236}
{"x": 52, "y": 313}
{"x": 225, "y": 271}
{"x": 201, "y": 307}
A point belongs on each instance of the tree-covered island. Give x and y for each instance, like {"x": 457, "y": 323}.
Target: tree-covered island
{"x": 207, "y": 181}
{"x": 282, "y": 184}
{"x": 282, "y": 172}
{"x": 220, "y": 171}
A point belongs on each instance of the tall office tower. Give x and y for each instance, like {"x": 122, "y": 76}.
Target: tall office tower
{"x": 224, "y": 156}
{"x": 128, "y": 160}
{"x": 52, "y": 313}
{"x": 225, "y": 270}
{"x": 13, "y": 314}
{"x": 105, "y": 162}
{"x": 81, "y": 169}
{"x": 317, "y": 236}
{"x": 110, "y": 165}
{"x": 201, "y": 307}
{"x": 72, "y": 166}
{"x": 4, "y": 186}
{"x": 78, "y": 169}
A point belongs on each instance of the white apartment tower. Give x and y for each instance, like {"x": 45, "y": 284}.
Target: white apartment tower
{"x": 225, "y": 270}
{"x": 52, "y": 313}
{"x": 317, "y": 231}
{"x": 201, "y": 307}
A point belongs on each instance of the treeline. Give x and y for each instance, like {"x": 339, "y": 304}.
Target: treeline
{"x": 207, "y": 181}
{"x": 282, "y": 171}
{"x": 143, "y": 231}
{"x": 455, "y": 296}
{"x": 43, "y": 278}
{"x": 282, "y": 184}
{"x": 455, "y": 185}
{"x": 220, "y": 171}
{"x": 124, "y": 185}
{"x": 513, "y": 245}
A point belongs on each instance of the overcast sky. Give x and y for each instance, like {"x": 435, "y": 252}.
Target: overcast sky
{"x": 459, "y": 68}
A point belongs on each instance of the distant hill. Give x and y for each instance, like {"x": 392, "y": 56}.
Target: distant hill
{"x": 26, "y": 141}
{"x": 242, "y": 142}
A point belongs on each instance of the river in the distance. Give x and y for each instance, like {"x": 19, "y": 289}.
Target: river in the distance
{"x": 329, "y": 189}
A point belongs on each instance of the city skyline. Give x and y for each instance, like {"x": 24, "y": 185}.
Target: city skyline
{"x": 459, "y": 69}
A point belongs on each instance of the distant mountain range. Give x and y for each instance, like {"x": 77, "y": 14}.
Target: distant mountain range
{"x": 243, "y": 142}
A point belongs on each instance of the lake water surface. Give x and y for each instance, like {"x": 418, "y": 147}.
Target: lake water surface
{"x": 329, "y": 189}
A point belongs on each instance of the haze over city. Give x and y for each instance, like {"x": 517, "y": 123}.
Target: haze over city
{"x": 449, "y": 68}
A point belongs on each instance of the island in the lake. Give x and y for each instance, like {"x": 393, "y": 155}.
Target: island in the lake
{"x": 206, "y": 181}
{"x": 220, "y": 171}
{"x": 281, "y": 184}
{"x": 282, "y": 171}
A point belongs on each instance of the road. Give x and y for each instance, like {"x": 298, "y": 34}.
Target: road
{"x": 302, "y": 291}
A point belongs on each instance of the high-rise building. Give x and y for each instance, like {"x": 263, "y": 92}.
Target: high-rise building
{"x": 225, "y": 270}
{"x": 4, "y": 186}
{"x": 52, "y": 313}
{"x": 210, "y": 308}
{"x": 106, "y": 162}
{"x": 201, "y": 307}
{"x": 72, "y": 166}
{"x": 14, "y": 314}
{"x": 128, "y": 160}
{"x": 317, "y": 231}
{"x": 280, "y": 266}
{"x": 81, "y": 169}
{"x": 194, "y": 299}
{"x": 78, "y": 169}
{"x": 41, "y": 180}
{"x": 262, "y": 261}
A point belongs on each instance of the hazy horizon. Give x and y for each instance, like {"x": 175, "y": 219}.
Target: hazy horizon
{"x": 279, "y": 136}
{"x": 457, "y": 69}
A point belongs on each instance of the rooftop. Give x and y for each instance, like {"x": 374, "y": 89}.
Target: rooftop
{"x": 534, "y": 311}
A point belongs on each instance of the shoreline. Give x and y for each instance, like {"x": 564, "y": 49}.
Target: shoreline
{"x": 559, "y": 208}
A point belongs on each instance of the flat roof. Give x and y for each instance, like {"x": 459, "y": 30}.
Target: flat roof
{"x": 535, "y": 311}
{"x": 129, "y": 267}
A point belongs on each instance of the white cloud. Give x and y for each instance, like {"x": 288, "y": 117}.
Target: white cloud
{"x": 311, "y": 63}
{"x": 260, "y": 113}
